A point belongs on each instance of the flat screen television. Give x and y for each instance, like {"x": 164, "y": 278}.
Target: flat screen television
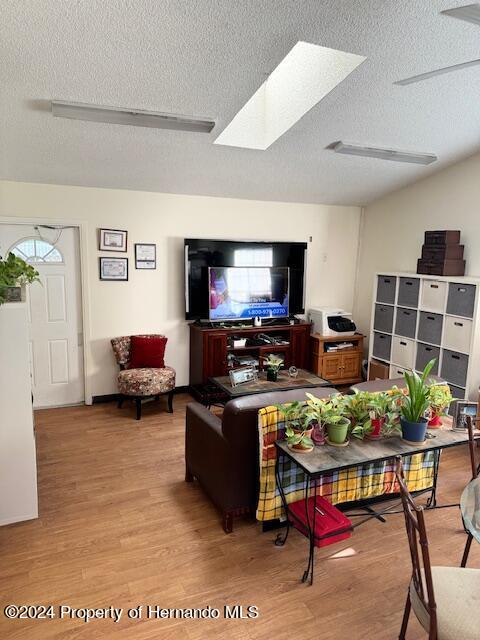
{"x": 242, "y": 293}
{"x": 203, "y": 254}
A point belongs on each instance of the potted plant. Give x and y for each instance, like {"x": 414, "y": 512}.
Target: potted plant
{"x": 330, "y": 414}
{"x": 15, "y": 273}
{"x": 298, "y": 422}
{"x": 273, "y": 365}
{"x": 414, "y": 405}
{"x": 293, "y": 413}
{"x": 383, "y": 415}
{"x": 440, "y": 398}
{"x": 355, "y": 406}
{"x": 300, "y": 440}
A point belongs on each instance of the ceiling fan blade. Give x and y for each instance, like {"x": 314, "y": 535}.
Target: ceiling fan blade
{"x": 437, "y": 72}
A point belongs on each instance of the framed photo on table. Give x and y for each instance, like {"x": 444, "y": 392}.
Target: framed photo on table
{"x": 460, "y": 411}
{"x": 145, "y": 256}
{"x": 113, "y": 268}
{"x": 243, "y": 375}
{"x": 112, "y": 240}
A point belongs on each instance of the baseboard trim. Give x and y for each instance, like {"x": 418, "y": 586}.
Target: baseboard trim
{"x": 113, "y": 397}
{"x": 109, "y": 397}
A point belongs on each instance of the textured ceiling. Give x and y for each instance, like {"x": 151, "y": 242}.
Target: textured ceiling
{"x": 207, "y": 58}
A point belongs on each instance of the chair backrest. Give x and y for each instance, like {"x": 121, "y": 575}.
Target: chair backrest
{"x": 418, "y": 543}
{"x": 472, "y": 445}
{"x": 122, "y": 347}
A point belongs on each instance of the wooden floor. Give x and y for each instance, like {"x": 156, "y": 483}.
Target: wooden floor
{"x": 119, "y": 526}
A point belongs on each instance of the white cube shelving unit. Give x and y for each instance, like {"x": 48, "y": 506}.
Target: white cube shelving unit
{"x": 416, "y": 318}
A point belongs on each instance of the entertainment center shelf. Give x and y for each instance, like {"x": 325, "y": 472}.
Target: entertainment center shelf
{"x": 209, "y": 348}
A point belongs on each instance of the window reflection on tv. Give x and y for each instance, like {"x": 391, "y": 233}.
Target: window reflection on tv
{"x": 247, "y": 292}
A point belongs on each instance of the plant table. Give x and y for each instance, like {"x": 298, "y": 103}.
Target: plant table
{"x": 327, "y": 459}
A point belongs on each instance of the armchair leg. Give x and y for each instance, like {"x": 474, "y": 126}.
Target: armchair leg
{"x": 138, "y": 402}
{"x": 406, "y": 616}
{"x": 188, "y": 475}
{"x": 468, "y": 544}
{"x": 227, "y": 522}
{"x": 170, "y": 402}
{"x": 120, "y": 401}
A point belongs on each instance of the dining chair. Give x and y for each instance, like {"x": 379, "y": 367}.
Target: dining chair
{"x": 445, "y": 600}
{"x": 472, "y": 446}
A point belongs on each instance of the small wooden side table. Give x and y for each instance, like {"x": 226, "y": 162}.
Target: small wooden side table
{"x": 338, "y": 367}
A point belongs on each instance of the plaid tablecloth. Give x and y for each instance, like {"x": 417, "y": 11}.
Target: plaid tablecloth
{"x": 358, "y": 483}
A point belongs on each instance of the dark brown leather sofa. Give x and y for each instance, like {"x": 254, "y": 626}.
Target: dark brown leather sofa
{"x": 222, "y": 453}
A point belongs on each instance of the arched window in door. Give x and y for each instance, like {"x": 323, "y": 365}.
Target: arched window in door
{"x": 37, "y": 251}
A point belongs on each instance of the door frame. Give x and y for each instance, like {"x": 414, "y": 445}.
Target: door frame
{"x": 85, "y": 293}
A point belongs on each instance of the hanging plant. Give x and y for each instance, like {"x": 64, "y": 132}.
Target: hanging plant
{"x": 15, "y": 272}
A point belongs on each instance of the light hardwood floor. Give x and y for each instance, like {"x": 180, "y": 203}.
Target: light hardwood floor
{"x": 119, "y": 526}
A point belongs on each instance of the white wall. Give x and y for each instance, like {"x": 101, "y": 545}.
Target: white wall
{"x": 153, "y": 301}
{"x": 393, "y": 227}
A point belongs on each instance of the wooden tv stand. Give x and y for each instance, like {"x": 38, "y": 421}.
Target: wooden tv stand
{"x": 209, "y": 347}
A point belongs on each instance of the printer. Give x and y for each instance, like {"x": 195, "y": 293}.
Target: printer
{"x": 331, "y": 321}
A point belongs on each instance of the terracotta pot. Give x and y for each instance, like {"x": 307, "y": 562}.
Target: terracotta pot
{"x": 300, "y": 447}
{"x": 377, "y": 424}
{"x": 435, "y": 421}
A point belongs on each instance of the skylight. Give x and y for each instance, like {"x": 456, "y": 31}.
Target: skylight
{"x": 305, "y": 76}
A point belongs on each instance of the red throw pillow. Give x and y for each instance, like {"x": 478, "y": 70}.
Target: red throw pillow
{"x": 147, "y": 352}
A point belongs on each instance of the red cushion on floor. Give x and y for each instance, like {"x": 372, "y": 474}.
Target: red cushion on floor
{"x": 147, "y": 351}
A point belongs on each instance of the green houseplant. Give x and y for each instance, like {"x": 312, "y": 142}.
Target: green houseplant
{"x": 355, "y": 406}
{"x": 383, "y": 415}
{"x": 300, "y": 440}
{"x": 273, "y": 365}
{"x": 415, "y": 404}
{"x": 298, "y": 429}
{"x": 14, "y": 273}
{"x": 330, "y": 415}
{"x": 293, "y": 413}
{"x": 440, "y": 398}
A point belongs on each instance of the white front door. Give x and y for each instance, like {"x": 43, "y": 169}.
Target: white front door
{"x": 54, "y": 311}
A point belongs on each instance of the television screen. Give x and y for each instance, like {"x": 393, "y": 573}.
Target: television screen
{"x": 202, "y": 254}
{"x": 246, "y": 292}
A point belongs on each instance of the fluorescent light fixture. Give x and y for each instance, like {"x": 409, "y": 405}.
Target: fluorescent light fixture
{"x": 132, "y": 117}
{"x": 384, "y": 154}
{"x": 469, "y": 13}
{"x": 437, "y": 72}
{"x": 305, "y": 76}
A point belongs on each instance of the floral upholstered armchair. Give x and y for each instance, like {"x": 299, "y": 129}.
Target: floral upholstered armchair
{"x": 138, "y": 381}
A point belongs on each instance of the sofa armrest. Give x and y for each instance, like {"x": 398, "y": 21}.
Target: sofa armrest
{"x": 200, "y": 417}
{"x": 205, "y": 443}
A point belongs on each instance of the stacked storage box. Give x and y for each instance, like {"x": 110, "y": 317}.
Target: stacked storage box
{"x": 442, "y": 254}
{"x": 416, "y": 319}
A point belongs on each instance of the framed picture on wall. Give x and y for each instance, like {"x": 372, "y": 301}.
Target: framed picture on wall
{"x": 113, "y": 268}
{"x": 145, "y": 256}
{"x": 112, "y": 240}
